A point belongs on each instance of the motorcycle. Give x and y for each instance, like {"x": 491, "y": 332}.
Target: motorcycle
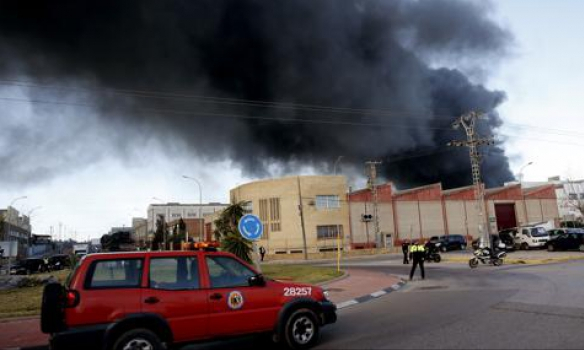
{"x": 486, "y": 256}
{"x": 432, "y": 253}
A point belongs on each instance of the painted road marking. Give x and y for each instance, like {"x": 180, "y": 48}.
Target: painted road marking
{"x": 378, "y": 293}
{"x": 347, "y": 303}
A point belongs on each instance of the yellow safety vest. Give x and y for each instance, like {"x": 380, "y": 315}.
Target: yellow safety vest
{"x": 416, "y": 248}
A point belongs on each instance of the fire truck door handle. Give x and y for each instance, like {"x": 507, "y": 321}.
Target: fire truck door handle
{"x": 216, "y": 296}
{"x": 151, "y": 300}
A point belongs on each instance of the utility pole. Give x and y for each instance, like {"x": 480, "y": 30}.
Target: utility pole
{"x": 301, "y": 209}
{"x": 372, "y": 182}
{"x": 473, "y": 141}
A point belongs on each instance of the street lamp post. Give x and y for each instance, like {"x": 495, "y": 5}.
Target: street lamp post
{"x": 521, "y": 188}
{"x": 335, "y": 165}
{"x": 521, "y": 172}
{"x": 30, "y": 224}
{"x": 201, "y": 227}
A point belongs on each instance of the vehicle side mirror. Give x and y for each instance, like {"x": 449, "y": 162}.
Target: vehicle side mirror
{"x": 256, "y": 281}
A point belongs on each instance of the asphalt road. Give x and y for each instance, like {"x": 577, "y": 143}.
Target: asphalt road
{"x": 511, "y": 307}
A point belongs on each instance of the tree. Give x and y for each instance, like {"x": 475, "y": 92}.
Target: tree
{"x": 179, "y": 232}
{"x": 228, "y": 234}
{"x": 158, "y": 235}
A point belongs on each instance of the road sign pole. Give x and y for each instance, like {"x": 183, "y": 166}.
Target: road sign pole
{"x": 256, "y": 256}
{"x": 251, "y": 228}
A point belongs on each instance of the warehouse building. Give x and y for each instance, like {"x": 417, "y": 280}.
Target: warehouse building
{"x": 317, "y": 214}
{"x": 429, "y": 211}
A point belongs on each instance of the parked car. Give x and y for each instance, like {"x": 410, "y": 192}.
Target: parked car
{"x": 156, "y": 300}
{"x": 571, "y": 239}
{"x": 59, "y": 262}
{"x": 556, "y": 232}
{"x": 452, "y": 242}
{"x": 572, "y": 224}
{"x": 18, "y": 268}
{"x": 28, "y": 266}
{"x": 529, "y": 237}
{"x": 507, "y": 236}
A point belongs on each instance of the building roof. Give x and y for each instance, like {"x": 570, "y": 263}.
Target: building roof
{"x": 428, "y": 192}
{"x": 384, "y": 193}
{"x": 541, "y": 192}
{"x": 512, "y": 192}
{"x": 289, "y": 177}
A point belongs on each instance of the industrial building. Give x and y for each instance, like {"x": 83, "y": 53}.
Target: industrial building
{"x": 429, "y": 211}
{"x": 301, "y": 214}
{"x": 317, "y": 214}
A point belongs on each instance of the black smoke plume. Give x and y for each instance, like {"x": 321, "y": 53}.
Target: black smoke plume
{"x": 269, "y": 84}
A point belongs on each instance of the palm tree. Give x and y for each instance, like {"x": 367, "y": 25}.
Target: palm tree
{"x": 228, "y": 234}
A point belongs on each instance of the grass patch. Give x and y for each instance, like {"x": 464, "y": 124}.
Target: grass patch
{"x": 301, "y": 273}
{"x": 21, "y": 302}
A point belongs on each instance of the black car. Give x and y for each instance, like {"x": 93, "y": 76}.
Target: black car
{"x": 18, "y": 268}
{"x": 507, "y": 236}
{"x": 59, "y": 261}
{"x": 570, "y": 239}
{"x": 452, "y": 242}
{"x": 27, "y": 266}
{"x": 557, "y": 232}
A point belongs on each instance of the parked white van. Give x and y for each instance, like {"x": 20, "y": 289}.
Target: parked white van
{"x": 529, "y": 237}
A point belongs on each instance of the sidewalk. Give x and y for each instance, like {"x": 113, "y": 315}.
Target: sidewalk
{"x": 359, "y": 285}
{"x": 22, "y": 332}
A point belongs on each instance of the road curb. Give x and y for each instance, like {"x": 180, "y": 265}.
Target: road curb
{"x": 336, "y": 279}
{"x": 20, "y": 318}
{"x": 371, "y": 296}
{"x": 512, "y": 261}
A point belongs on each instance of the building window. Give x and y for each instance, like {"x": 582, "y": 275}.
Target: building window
{"x": 175, "y": 215}
{"x": 573, "y": 196}
{"x": 327, "y": 202}
{"x": 329, "y": 231}
{"x": 270, "y": 215}
{"x": 247, "y": 207}
{"x": 275, "y": 215}
{"x": 191, "y": 214}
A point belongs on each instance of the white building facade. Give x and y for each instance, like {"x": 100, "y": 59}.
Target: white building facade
{"x": 175, "y": 211}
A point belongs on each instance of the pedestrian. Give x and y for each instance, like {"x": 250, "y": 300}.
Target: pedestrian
{"x": 262, "y": 252}
{"x": 417, "y": 251}
{"x": 406, "y": 250}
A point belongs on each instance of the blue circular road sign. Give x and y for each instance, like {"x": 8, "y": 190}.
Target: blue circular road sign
{"x": 250, "y": 227}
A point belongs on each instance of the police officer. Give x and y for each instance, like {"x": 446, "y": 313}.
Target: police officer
{"x": 405, "y": 250}
{"x": 417, "y": 251}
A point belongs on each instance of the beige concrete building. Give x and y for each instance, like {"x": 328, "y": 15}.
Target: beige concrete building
{"x": 289, "y": 206}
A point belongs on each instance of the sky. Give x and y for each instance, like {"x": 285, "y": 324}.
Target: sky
{"x": 542, "y": 118}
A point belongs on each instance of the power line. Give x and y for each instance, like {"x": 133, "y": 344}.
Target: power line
{"x": 232, "y": 115}
{"x": 237, "y": 101}
{"x": 426, "y": 115}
